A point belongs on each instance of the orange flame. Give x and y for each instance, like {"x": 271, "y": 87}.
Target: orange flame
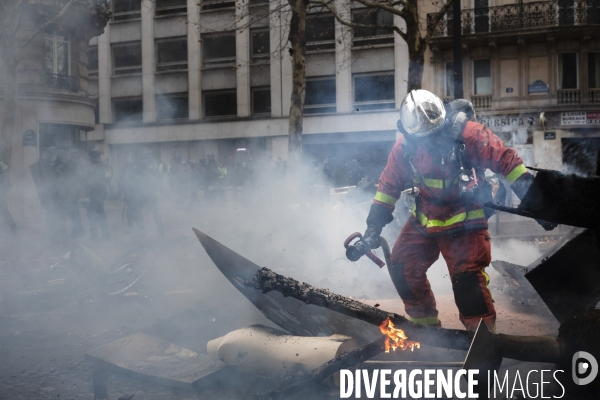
{"x": 396, "y": 338}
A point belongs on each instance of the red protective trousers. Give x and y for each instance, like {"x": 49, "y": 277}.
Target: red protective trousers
{"x": 466, "y": 253}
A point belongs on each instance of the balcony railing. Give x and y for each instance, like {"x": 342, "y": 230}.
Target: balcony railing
{"x": 568, "y": 96}
{"x": 512, "y": 17}
{"x": 65, "y": 82}
{"x": 594, "y": 95}
{"x": 482, "y": 101}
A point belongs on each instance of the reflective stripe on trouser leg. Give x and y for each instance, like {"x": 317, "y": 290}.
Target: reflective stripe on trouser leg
{"x": 424, "y": 320}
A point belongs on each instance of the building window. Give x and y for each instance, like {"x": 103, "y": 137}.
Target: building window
{"x": 168, "y": 7}
{"x": 372, "y": 16}
{"x": 217, "y": 4}
{"x": 566, "y": 12}
{"x": 261, "y": 101}
{"x": 126, "y": 9}
{"x": 218, "y": 49}
{"x": 593, "y": 12}
{"x": 128, "y": 110}
{"x": 567, "y": 71}
{"x": 374, "y": 92}
{"x": 171, "y": 54}
{"x": 450, "y": 21}
{"x": 482, "y": 76}
{"x": 60, "y": 136}
{"x": 260, "y": 45}
{"x": 320, "y": 96}
{"x": 56, "y": 53}
{"x": 172, "y": 106}
{"x": 482, "y": 16}
{"x": 594, "y": 70}
{"x": 127, "y": 58}
{"x": 320, "y": 32}
{"x": 220, "y": 103}
{"x": 92, "y": 62}
{"x": 253, "y": 2}
{"x": 449, "y": 79}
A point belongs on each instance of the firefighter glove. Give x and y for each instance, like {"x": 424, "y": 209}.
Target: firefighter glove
{"x": 522, "y": 185}
{"x": 379, "y": 216}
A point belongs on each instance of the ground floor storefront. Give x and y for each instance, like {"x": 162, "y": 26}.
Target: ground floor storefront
{"x": 567, "y": 141}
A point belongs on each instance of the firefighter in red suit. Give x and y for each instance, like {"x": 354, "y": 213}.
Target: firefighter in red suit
{"x": 444, "y": 153}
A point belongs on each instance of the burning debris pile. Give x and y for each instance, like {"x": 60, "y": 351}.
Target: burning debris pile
{"x": 337, "y": 313}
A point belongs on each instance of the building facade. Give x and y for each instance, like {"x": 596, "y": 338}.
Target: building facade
{"x": 54, "y": 108}
{"x": 532, "y": 70}
{"x": 176, "y": 78}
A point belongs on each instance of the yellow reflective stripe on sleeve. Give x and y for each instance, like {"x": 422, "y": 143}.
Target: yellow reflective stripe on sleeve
{"x": 424, "y": 320}
{"x": 431, "y": 223}
{"x": 385, "y": 198}
{"x": 437, "y": 183}
{"x": 516, "y": 173}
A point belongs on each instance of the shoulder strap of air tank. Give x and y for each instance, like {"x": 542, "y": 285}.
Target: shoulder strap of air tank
{"x": 459, "y": 121}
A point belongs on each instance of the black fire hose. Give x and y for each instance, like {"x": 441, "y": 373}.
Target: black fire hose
{"x": 510, "y": 210}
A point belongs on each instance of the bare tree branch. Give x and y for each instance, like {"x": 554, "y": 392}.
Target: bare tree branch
{"x": 381, "y": 6}
{"x": 19, "y": 15}
{"x": 356, "y": 25}
{"x": 45, "y": 25}
{"x": 431, "y": 27}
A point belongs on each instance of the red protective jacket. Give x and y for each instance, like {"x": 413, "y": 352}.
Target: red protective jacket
{"x": 450, "y": 212}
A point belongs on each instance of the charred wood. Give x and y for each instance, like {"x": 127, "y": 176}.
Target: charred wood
{"x": 531, "y": 348}
{"x": 267, "y": 280}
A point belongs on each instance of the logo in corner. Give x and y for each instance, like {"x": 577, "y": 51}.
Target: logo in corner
{"x": 584, "y": 364}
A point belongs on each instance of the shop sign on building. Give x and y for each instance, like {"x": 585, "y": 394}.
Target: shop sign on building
{"x": 580, "y": 118}
{"x": 500, "y": 121}
{"x": 538, "y": 87}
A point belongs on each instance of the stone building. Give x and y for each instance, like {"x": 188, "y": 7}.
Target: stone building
{"x": 532, "y": 70}
{"x": 54, "y": 107}
{"x": 179, "y": 78}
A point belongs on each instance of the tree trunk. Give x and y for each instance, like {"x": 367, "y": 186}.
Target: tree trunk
{"x": 9, "y": 86}
{"x": 8, "y": 80}
{"x": 297, "y": 40}
{"x": 415, "y": 70}
{"x": 416, "y": 45}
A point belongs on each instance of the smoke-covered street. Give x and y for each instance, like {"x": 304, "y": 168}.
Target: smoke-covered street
{"x": 185, "y": 300}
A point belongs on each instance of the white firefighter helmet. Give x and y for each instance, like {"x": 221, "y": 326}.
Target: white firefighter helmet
{"x": 422, "y": 113}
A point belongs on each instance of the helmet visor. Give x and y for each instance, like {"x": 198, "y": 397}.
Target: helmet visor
{"x": 422, "y": 115}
